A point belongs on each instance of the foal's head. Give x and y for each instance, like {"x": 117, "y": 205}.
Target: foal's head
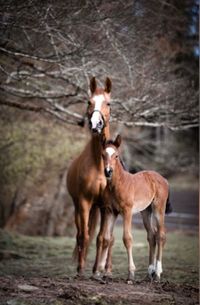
{"x": 99, "y": 106}
{"x": 110, "y": 156}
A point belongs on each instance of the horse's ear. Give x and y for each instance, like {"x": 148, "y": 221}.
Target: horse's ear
{"x": 118, "y": 141}
{"x": 108, "y": 85}
{"x": 93, "y": 85}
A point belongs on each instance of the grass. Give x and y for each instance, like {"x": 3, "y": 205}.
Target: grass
{"x": 52, "y": 256}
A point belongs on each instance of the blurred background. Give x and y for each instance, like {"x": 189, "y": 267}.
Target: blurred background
{"x": 49, "y": 50}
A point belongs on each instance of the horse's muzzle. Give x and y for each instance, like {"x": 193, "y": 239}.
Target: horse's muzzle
{"x": 98, "y": 128}
{"x": 108, "y": 172}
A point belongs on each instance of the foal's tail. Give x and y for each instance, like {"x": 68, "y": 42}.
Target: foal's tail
{"x": 168, "y": 208}
{"x": 93, "y": 220}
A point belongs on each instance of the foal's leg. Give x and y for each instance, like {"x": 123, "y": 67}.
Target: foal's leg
{"x": 147, "y": 220}
{"x": 128, "y": 242}
{"x": 99, "y": 243}
{"x": 107, "y": 229}
{"x": 160, "y": 240}
{"x": 108, "y": 267}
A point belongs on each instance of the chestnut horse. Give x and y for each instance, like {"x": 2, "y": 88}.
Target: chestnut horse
{"x": 146, "y": 192}
{"x": 85, "y": 179}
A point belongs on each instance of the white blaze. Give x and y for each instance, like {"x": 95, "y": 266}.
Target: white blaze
{"x": 96, "y": 117}
{"x": 110, "y": 151}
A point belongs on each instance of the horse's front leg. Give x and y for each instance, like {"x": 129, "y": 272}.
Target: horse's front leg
{"x": 84, "y": 211}
{"x": 128, "y": 242}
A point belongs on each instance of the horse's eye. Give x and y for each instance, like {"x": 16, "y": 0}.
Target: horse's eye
{"x": 108, "y": 104}
{"x": 89, "y": 103}
{"x": 116, "y": 156}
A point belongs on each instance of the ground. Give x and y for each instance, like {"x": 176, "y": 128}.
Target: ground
{"x": 40, "y": 270}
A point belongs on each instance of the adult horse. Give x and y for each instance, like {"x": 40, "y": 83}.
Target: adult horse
{"x": 85, "y": 179}
{"x": 146, "y": 192}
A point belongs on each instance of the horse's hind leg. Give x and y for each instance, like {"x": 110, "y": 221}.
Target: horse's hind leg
{"x": 151, "y": 237}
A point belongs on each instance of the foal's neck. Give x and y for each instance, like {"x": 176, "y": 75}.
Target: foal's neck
{"x": 118, "y": 176}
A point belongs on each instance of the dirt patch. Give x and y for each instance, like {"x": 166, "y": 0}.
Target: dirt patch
{"x": 15, "y": 290}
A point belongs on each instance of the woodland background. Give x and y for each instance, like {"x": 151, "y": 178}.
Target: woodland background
{"x": 49, "y": 50}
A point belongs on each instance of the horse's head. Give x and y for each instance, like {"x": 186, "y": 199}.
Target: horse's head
{"x": 99, "y": 106}
{"x": 110, "y": 156}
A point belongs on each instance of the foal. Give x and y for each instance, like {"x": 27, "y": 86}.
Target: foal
{"x": 85, "y": 179}
{"x": 127, "y": 194}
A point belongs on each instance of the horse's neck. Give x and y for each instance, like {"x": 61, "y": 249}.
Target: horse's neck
{"x": 96, "y": 145}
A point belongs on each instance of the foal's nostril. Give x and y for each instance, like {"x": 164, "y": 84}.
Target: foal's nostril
{"x": 108, "y": 172}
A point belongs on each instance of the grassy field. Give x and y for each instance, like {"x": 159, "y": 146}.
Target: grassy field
{"x": 40, "y": 270}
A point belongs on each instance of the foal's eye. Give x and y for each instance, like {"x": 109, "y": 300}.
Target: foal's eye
{"x": 108, "y": 104}
{"x": 116, "y": 157}
{"x": 89, "y": 103}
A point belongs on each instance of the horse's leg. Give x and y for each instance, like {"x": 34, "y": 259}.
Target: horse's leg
{"x": 128, "y": 242}
{"x": 107, "y": 229}
{"x": 108, "y": 266}
{"x": 160, "y": 239}
{"x": 84, "y": 219}
{"x": 146, "y": 216}
{"x": 99, "y": 243}
{"x": 78, "y": 234}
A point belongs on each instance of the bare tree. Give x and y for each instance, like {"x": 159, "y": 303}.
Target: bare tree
{"x": 50, "y": 50}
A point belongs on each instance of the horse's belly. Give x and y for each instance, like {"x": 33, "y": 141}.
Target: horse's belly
{"x": 141, "y": 203}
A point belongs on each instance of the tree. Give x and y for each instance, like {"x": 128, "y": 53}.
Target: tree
{"x": 49, "y": 52}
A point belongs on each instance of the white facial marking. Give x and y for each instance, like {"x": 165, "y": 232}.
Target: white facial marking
{"x": 110, "y": 151}
{"x": 98, "y": 99}
{"x": 96, "y": 117}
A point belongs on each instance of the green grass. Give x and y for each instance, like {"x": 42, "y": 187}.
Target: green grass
{"x": 52, "y": 257}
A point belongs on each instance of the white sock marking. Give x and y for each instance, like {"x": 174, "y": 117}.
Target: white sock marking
{"x": 158, "y": 268}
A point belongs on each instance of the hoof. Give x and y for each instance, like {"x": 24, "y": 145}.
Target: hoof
{"x": 129, "y": 282}
{"x": 79, "y": 276}
{"x": 154, "y": 277}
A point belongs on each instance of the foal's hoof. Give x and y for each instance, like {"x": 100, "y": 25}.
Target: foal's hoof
{"x": 108, "y": 277}
{"x": 79, "y": 276}
{"x": 97, "y": 277}
{"x": 154, "y": 277}
{"x": 131, "y": 278}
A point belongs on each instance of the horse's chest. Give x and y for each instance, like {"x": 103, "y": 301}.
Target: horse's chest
{"x": 94, "y": 183}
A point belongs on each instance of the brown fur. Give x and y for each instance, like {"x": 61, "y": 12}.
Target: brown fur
{"x": 128, "y": 194}
{"x": 85, "y": 180}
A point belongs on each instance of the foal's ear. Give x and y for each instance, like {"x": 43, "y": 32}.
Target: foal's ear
{"x": 93, "y": 85}
{"x": 108, "y": 85}
{"x": 118, "y": 141}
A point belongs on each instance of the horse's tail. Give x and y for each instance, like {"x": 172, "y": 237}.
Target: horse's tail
{"x": 93, "y": 220}
{"x": 168, "y": 208}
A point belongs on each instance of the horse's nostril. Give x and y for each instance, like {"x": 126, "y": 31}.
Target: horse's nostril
{"x": 90, "y": 124}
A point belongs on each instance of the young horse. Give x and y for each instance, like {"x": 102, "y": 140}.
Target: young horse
{"x": 127, "y": 194}
{"x": 86, "y": 180}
